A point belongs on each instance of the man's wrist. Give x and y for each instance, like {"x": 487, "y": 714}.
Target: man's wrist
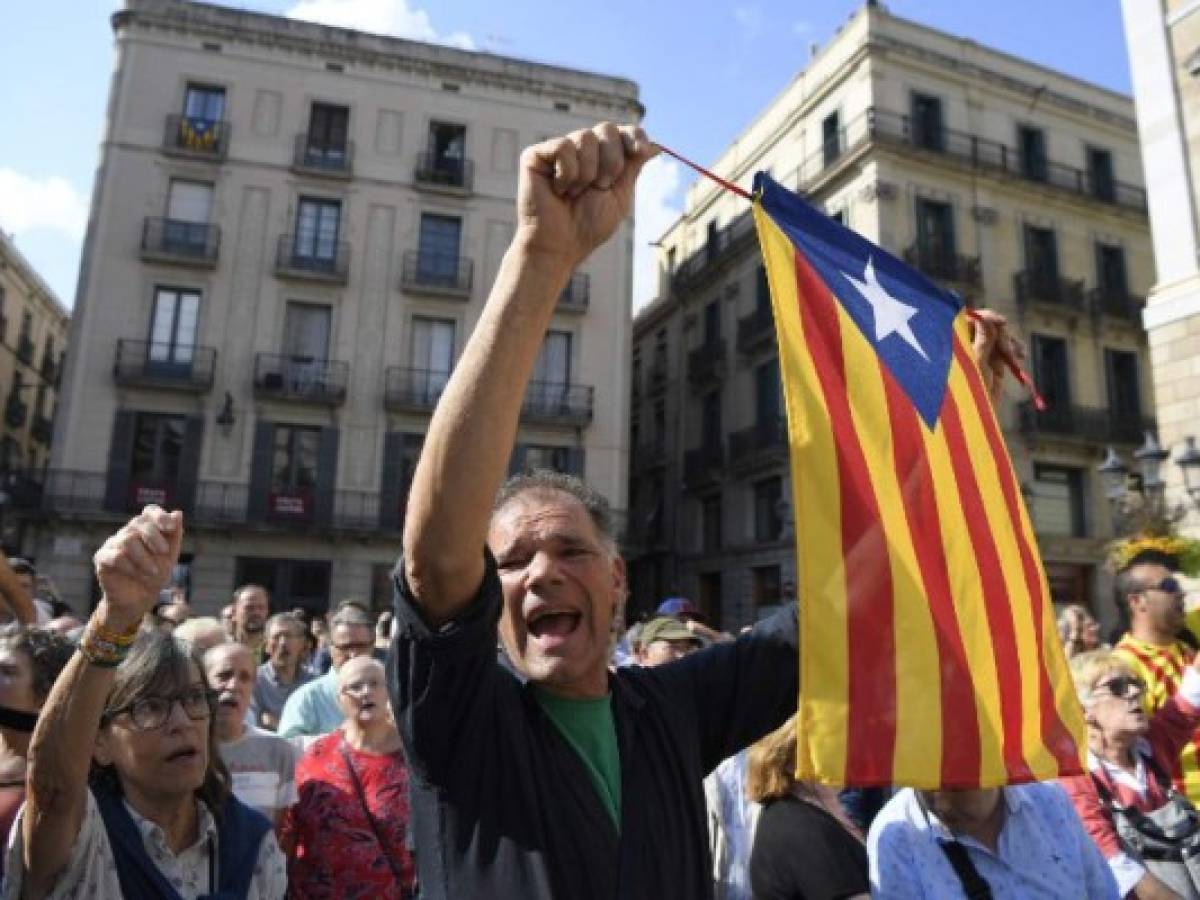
{"x": 536, "y": 258}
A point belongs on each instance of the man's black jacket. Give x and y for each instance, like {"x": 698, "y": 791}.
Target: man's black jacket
{"x": 502, "y": 806}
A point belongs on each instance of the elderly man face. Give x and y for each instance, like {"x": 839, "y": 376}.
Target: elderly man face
{"x": 562, "y": 582}
{"x": 350, "y": 640}
{"x": 230, "y": 671}
{"x": 250, "y": 610}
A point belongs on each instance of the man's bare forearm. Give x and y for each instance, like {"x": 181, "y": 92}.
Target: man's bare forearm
{"x": 471, "y": 435}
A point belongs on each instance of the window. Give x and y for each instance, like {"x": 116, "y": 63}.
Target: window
{"x": 1041, "y": 256}
{"x": 447, "y": 153}
{"x": 546, "y": 456}
{"x": 762, "y": 290}
{"x": 768, "y": 394}
{"x": 927, "y": 122}
{"x": 1124, "y": 398}
{"x": 294, "y": 463}
{"x": 768, "y": 586}
{"x": 438, "y": 250}
{"x": 189, "y": 206}
{"x": 1110, "y": 271}
{"x": 768, "y": 521}
{"x": 1032, "y": 141}
{"x": 316, "y": 241}
{"x": 712, "y": 240}
{"x": 204, "y": 103}
{"x": 289, "y": 582}
{"x": 710, "y": 419}
{"x": 712, "y": 323}
{"x": 935, "y": 237}
{"x": 26, "y": 335}
{"x": 660, "y": 354}
{"x": 157, "y": 449}
{"x": 328, "y": 127}
{"x": 709, "y": 597}
{"x": 1100, "y": 174}
{"x": 39, "y": 407}
{"x": 432, "y": 356}
{"x": 831, "y": 138}
{"x": 306, "y": 328}
{"x": 660, "y": 425}
{"x": 1052, "y": 372}
{"x": 1058, "y": 501}
{"x": 173, "y": 330}
{"x": 553, "y": 366}
{"x": 710, "y": 524}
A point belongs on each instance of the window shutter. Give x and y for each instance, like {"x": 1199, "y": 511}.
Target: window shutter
{"x": 327, "y": 451}
{"x": 260, "y": 471}
{"x": 393, "y": 481}
{"x": 120, "y": 458}
{"x": 189, "y": 464}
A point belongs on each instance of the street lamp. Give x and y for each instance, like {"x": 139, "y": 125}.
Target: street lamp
{"x": 1138, "y": 498}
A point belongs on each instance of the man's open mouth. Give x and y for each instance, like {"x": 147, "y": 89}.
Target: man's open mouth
{"x": 553, "y": 625}
{"x": 227, "y": 700}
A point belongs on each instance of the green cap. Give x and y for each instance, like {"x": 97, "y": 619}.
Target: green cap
{"x": 666, "y": 628}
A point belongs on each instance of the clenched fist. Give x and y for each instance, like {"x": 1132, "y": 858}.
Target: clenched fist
{"x": 135, "y": 564}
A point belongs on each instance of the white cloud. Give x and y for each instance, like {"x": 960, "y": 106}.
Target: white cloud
{"x": 29, "y": 204}
{"x": 393, "y": 17}
{"x": 655, "y": 207}
{"x": 749, "y": 20}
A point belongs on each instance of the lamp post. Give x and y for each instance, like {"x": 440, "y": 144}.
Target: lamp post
{"x": 1138, "y": 497}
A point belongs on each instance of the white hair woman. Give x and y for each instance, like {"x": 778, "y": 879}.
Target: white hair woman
{"x": 347, "y": 832}
{"x": 1146, "y": 829}
{"x": 127, "y": 795}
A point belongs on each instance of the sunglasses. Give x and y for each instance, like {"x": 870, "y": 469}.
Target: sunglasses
{"x": 1169, "y": 585}
{"x": 1122, "y": 685}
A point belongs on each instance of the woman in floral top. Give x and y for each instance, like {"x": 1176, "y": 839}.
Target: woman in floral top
{"x": 347, "y": 833}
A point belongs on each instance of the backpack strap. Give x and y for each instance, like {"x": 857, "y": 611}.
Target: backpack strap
{"x": 973, "y": 884}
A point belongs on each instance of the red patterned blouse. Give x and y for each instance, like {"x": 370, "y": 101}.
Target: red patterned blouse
{"x": 335, "y": 852}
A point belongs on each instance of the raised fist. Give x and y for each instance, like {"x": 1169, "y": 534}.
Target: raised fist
{"x": 135, "y": 564}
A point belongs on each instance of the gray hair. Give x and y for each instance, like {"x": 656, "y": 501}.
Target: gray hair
{"x": 541, "y": 481}
{"x": 352, "y": 615}
{"x": 288, "y": 619}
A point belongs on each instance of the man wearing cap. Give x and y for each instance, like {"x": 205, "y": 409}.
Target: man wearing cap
{"x": 1149, "y": 587}
{"x": 664, "y": 640}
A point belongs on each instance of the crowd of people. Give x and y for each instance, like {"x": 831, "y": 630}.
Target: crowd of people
{"x": 519, "y": 743}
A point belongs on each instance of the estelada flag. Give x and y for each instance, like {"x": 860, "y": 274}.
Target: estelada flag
{"x": 928, "y": 651}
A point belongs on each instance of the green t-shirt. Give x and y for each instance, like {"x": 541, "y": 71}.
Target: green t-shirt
{"x": 588, "y": 727}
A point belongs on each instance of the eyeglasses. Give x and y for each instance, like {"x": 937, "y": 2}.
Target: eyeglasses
{"x": 149, "y": 713}
{"x": 1121, "y": 685}
{"x": 360, "y": 647}
{"x": 1169, "y": 585}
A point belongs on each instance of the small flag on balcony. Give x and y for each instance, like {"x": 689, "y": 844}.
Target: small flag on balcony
{"x": 929, "y": 655}
{"x": 198, "y": 134}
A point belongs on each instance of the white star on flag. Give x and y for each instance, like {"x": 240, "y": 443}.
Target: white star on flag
{"x": 891, "y": 316}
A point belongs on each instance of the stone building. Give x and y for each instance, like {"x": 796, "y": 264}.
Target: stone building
{"x": 1163, "y": 37}
{"x": 1017, "y": 186}
{"x": 292, "y": 233}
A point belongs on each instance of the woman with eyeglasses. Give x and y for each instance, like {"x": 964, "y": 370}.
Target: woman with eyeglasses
{"x": 127, "y": 795}
{"x": 1147, "y": 830}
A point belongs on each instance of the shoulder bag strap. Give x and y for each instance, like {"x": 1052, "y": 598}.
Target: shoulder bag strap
{"x": 397, "y": 872}
{"x": 973, "y": 884}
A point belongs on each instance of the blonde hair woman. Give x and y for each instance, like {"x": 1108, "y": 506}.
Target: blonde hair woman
{"x": 805, "y": 844}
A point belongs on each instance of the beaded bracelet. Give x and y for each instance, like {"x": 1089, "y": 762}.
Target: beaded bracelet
{"x": 97, "y": 659}
{"x": 102, "y": 647}
{"x": 120, "y": 638}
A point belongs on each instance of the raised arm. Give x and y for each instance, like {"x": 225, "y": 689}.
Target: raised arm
{"x": 131, "y": 567}
{"x": 572, "y": 194}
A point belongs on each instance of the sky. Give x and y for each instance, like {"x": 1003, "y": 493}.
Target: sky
{"x": 705, "y": 71}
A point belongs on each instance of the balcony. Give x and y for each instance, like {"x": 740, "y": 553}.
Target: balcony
{"x": 444, "y": 173}
{"x": 185, "y": 243}
{"x": 706, "y": 364}
{"x": 761, "y": 445}
{"x": 657, "y": 374}
{"x": 300, "y": 379}
{"x": 991, "y": 155}
{"x": 16, "y": 412}
{"x": 41, "y": 429}
{"x": 960, "y": 271}
{"x": 1117, "y": 304}
{"x": 703, "y": 466}
{"x": 756, "y": 331}
{"x": 329, "y": 262}
{"x": 554, "y": 403}
{"x": 196, "y": 138}
{"x": 172, "y": 367}
{"x": 309, "y": 158}
{"x": 575, "y": 296}
{"x": 412, "y": 390}
{"x": 719, "y": 247}
{"x": 424, "y": 272}
{"x": 25, "y": 349}
{"x": 1046, "y": 289}
{"x": 1093, "y": 425}
{"x": 50, "y": 370}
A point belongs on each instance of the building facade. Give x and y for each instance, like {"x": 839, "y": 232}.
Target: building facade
{"x": 33, "y": 339}
{"x": 1016, "y": 186}
{"x": 1163, "y": 37}
{"x": 292, "y": 233}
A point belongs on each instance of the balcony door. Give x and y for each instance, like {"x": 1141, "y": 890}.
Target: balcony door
{"x": 1110, "y": 271}
{"x": 1052, "y": 373}
{"x": 935, "y": 237}
{"x": 294, "y": 472}
{"x": 1100, "y": 174}
{"x": 432, "y": 357}
{"x": 1033, "y": 152}
{"x": 328, "y": 128}
{"x": 437, "y": 258}
{"x": 173, "y": 325}
{"x": 306, "y": 328}
{"x": 1124, "y": 396}
{"x": 189, "y": 210}
{"x": 927, "y": 122}
{"x": 550, "y": 385}
{"x": 317, "y": 225}
{"x": 768, "y": 397}
{"x": 204, "y": 103}
{"x": 1041, "y": 258}
{"x": 158, "y": 442}
{"x": 448, "y": 152}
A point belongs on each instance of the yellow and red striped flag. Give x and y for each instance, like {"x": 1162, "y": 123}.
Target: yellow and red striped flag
{"x": 928, "y": 655}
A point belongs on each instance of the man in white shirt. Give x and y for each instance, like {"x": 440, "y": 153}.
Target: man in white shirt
{"x": 263, "y": 766}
